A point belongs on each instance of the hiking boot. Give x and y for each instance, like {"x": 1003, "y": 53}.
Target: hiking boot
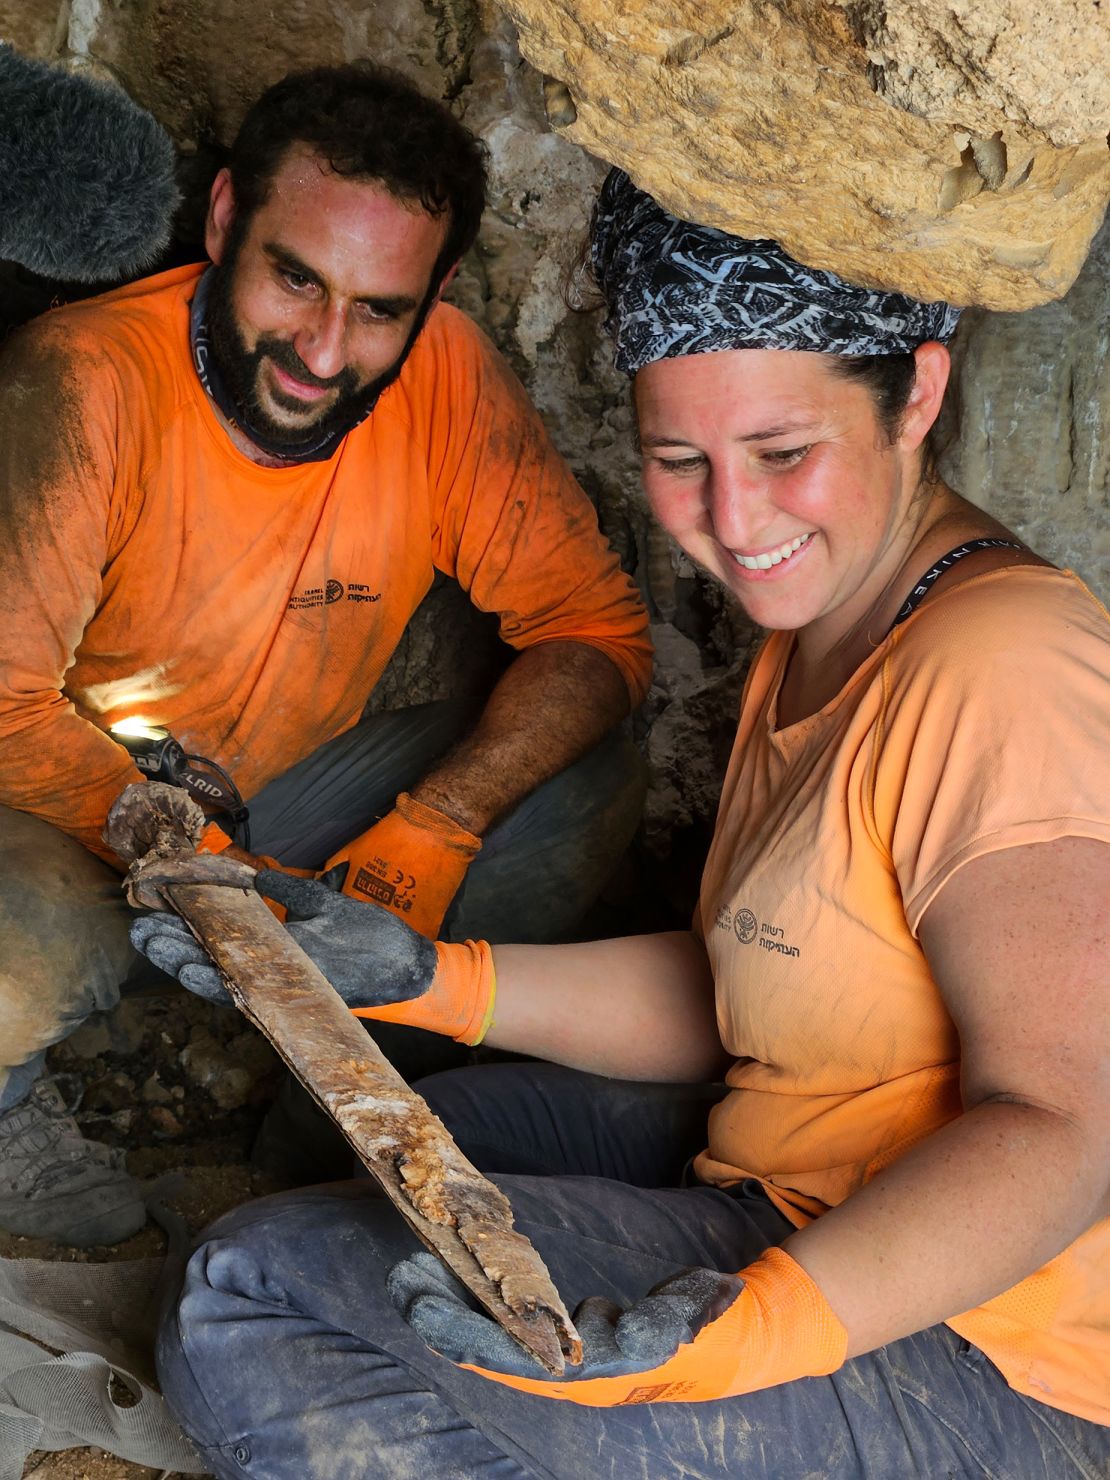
{"x": 56, "y": 1185}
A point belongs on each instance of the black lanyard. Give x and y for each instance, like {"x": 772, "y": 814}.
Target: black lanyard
{"x": 924, "y": 585}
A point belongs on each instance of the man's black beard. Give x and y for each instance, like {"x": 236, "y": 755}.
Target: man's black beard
{"x": 240, "y": 370}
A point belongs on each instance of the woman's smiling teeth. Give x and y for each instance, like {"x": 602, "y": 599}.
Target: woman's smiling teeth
{"x": 771, "y": 557}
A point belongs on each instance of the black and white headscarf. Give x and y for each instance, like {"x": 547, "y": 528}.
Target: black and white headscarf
{"x": 675, "y": 288}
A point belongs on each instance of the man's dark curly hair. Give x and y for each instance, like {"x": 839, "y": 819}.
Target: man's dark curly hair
{"x": 372, "y": 122}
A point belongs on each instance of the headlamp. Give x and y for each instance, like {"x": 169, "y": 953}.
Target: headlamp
{"x": 162, "y": 758}
{"x": 154, "y": 750}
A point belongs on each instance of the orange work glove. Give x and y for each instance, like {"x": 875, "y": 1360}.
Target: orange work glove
{"x": 698, "y": 1336}
{"x": 458, "y": 1001}
{"x": 378, "y": 965}
{"x": 411, "y": 862}
{"x": 213, "y": 839}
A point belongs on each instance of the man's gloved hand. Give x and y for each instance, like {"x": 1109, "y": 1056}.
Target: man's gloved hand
{"x": 379, "y": 966}
{"x": 411, "y": 862}
{"x": 698, "y": 1336}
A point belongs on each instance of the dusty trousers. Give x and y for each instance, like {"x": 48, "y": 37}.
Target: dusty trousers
{"x": 284, "y": 1359}
{"x": 64, "y": 947}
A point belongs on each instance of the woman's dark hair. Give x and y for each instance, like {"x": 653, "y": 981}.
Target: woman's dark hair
{"x": 367, "y": 121}
{"x": 889, "y": 378}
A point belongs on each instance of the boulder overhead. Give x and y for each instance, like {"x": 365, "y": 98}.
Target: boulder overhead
{"x": 946, "y": 148}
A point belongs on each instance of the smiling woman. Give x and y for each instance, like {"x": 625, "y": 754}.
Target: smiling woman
{"x": 775, "y": 475}
{"x": 898, "y": 964}
{"x": 784, "y": 417}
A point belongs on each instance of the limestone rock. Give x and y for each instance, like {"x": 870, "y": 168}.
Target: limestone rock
{"x": 888, "y": 143}
{"x": 1041, "y": 65}
{"x": 164, "y": 1123}
{"x": 35, "y": 30}
{"x": 154, "y": 1092}
{"x": 213, "y": 1066}
{"x": 198, "y": 72}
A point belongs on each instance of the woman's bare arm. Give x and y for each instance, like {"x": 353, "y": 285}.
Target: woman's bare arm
{"x": 1018, "y": 944}
{"x": 640, "y": 1007}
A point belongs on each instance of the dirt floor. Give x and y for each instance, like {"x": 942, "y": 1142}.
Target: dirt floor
{"x": 89, "y": 1464}
{"x": 183, "y": 1087}
{"x": 205, "y": 1193}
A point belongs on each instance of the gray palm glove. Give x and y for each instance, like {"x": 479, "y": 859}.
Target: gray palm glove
{"x": 369, "y": 955}
{"x": 615, "y": 1341}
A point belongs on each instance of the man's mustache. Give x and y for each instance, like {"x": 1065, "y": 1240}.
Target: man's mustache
{"x": 286, "y": 358}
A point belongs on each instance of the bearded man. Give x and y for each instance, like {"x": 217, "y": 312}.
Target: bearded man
{"x": 224, "y": 491}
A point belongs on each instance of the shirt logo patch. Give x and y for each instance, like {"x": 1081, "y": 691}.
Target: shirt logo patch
{"x": 745, "y": 925}
{"x": 312, "y": 597}
{"x": 771, "y": 939}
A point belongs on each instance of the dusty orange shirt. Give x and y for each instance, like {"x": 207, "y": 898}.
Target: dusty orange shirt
{"x": 148, "y": 568}
{"x": 981, "y": 723}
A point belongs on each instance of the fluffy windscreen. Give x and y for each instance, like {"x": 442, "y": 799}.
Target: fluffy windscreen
{"x": 87, "y": 186}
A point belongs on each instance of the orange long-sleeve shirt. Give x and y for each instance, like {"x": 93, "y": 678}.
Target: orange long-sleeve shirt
{"x": 149, "y": 568}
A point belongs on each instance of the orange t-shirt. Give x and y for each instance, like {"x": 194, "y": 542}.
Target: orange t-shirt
{"x": 981, "y": 723}
{"x": 148, "y": 568}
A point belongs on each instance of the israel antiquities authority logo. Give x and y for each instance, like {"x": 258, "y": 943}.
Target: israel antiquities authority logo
{"x": 745, "y": 926}
{"x": 333, "y": 591}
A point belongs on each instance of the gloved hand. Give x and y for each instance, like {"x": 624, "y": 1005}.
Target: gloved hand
{"x": 379, "y": 966}
{"x": 214, "y": 840}
{"x": 698, "y": 1336}
{"x": 411, "y": 862}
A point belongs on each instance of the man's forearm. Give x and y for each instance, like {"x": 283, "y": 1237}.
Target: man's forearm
{"x": 552, "y": 705}
{"x": 63, "y": 769}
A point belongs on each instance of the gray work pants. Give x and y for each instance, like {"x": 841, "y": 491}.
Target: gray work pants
{"x": 284, "y": 1359}
{"x": 64, "y": 947}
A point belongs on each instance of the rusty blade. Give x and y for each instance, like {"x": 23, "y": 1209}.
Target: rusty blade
{"x": 459, "y": 1214}
{"x": 447, "y": 1202}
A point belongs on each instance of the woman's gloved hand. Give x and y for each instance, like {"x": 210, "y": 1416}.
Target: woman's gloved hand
{"x": 379, "y": 966}
{"x": 698, "y": 1336}
{"x": 214, "y": 840}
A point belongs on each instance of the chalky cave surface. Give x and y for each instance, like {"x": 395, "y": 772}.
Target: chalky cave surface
{"x": 948, "y": 149}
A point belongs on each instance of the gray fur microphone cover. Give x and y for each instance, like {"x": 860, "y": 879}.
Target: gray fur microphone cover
{"x": 87, "y": 186}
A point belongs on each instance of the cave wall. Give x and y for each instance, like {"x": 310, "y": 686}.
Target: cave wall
{"x": 1033, "y": 405}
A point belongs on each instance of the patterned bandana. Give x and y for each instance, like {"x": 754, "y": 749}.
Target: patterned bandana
{"x": 674, "y": 288}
